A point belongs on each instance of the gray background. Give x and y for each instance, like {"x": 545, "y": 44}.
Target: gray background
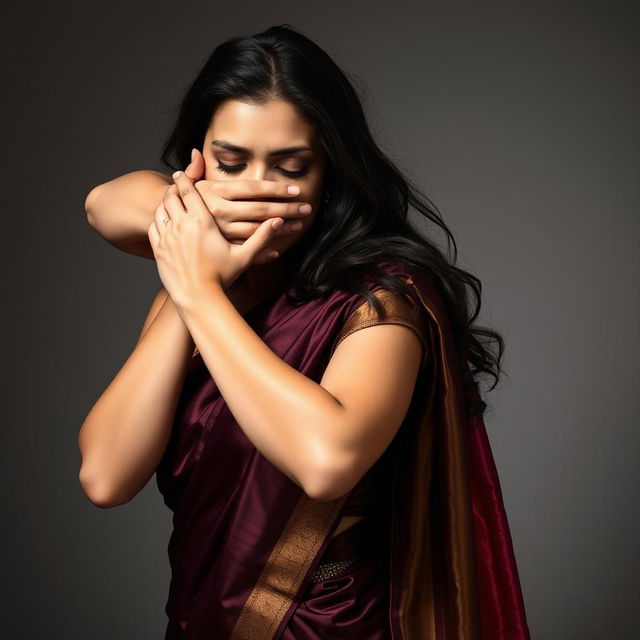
{"x": 519, "y": 119}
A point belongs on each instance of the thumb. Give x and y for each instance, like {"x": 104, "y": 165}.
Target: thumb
{"x": 195, "y": 168}
{"x": 258, "y": 240}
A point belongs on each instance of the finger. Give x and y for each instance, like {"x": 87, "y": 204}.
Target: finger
{"x": 258, "y": 241}
{"x": 266, "y": 255}
{"x": 255, "y": 189}
{"x": 241, "y": 230}
{"x": 195, "y": 170}
{"x": 152, "y": 234}
{"x": 161, "y": 219}
{"x": 191, "y": 198}
{"x": 173, "y": 202}
{"x": 246, "y": 210}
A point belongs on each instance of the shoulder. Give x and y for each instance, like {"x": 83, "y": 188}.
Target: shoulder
{"x": 396, "y": 308}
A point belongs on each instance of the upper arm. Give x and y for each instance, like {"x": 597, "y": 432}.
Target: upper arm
{"x": 120, "y": 209}
{"x": 372, "y": 374}
{"x": 131, "y": 189}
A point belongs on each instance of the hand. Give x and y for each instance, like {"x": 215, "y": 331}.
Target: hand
{"x": 239, "y": 206}
{"x": 190, "y": 252}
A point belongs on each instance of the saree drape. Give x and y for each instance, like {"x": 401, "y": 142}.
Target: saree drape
{"x": 246, "y": 538}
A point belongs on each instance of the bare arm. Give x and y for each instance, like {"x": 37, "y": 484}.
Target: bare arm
{"x": 126, "y": 432}
{"x": 122, "y": 209}
{"x": 322, "y": 436}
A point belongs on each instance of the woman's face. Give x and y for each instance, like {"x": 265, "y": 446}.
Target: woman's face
{"x": 261, "y": 130}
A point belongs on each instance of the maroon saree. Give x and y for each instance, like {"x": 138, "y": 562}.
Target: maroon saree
{"x": 246, "y": 539}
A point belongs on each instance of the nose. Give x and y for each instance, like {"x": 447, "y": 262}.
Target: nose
{"x": 257, "y": 171}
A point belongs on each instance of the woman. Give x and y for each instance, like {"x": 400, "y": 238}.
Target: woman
{"x": 325, "y": 481}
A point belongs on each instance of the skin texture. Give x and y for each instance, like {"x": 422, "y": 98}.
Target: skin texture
{"x": 323, "y": 436}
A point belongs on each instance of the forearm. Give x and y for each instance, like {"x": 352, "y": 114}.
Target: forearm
{"x": 126, "y": 432}
{"x": 122, "y": 209}
{"x": 293, "y": 421}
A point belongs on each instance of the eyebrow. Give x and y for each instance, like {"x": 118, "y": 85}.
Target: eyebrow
{"x": 277, "y": 152}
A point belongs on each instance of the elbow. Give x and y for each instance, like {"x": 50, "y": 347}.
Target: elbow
{"x": 99, "y": 492}
{"x": 330, "y": 482}
{"x": 89, "y": 206}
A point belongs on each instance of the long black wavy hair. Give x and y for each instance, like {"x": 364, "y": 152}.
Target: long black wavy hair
{"x": 366, "y": 216}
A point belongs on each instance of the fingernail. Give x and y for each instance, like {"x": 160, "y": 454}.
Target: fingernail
{"x": 176, "y": 174}
{"x": 305, "y": 208}
{"x": 293, "y": 189}
{"x": 193, "y": 153}
{"x": 296, "y": 226}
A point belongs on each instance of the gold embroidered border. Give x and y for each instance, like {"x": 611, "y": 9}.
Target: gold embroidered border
{"x": 397, "y": 310}
{"x": 288, "y": 564}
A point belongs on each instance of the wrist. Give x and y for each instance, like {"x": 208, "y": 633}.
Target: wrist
{"x": 198, "y": 297}
{"x": 174, "y": 328}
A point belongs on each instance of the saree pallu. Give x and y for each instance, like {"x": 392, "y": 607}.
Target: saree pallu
{"x": 246, "y": 539}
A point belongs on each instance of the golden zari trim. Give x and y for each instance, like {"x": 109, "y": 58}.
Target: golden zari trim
{"x": 282, "y": 575}
{"x": 397, "y": 310}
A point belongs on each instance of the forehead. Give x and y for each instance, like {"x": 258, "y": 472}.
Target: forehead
{"x": 273, "y": 123}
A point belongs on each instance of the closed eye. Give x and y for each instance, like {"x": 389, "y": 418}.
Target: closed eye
{"x": 237, "y": 168}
